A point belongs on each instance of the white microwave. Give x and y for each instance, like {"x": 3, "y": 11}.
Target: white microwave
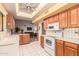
{"x": 54, "y": 26}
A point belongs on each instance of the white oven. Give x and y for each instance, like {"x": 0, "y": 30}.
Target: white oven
{"x": 49, "y": 45}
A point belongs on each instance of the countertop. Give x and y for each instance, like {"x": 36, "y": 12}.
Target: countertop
{"x": 23, "y": 34}
{"x": 73, "y": 40}
{"x": 7, "y": 40}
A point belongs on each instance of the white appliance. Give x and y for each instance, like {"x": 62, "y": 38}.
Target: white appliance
{"x": 54, "y": 26}
{"x": 49, "y": 45}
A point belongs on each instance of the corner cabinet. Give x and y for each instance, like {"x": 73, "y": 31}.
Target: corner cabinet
{"x": 10, "y": 22}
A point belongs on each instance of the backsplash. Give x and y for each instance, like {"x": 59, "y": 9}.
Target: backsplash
{"x": 71, "y": 33}
{"x": 58, "y": 34}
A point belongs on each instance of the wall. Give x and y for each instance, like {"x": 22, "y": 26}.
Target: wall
{"x": 69, "y": 35}
{"x": 54, "y": 10}
{"x": 4, "y": 12}
{"x": 23, "y": 24}
{"x": 39, "y": 32}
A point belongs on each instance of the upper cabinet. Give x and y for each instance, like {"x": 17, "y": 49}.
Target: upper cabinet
{"x": 50, "y": 20}
{"x": 67, "y": 19}
{"x": 73, "y": 20}
{"x": 45, "y": 24}
{"x": 63, "y": 20}
{"x": 55, "y": 18}
{"x": 10, "y": 22}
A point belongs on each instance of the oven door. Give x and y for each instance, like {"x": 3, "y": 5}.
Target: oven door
{"x": 49, "y": 42}
{"x": 49, "y": 45}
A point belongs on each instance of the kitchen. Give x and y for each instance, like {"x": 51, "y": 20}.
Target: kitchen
{"x": 55, "y": 31}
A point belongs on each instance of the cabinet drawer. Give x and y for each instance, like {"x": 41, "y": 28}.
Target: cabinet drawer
{"x": 60, "y": 41}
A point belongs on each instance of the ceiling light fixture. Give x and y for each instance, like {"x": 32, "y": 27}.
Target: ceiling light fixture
{"x": 29, "y": 7}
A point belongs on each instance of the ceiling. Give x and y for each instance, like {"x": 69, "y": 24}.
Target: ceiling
{"x": 21, "y": 12}
{"x": 28, "y": 7}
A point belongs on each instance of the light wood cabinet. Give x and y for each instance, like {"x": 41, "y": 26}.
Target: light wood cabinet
{"x": 59, "y": 48}
{"x": 55, "y": 18}
{"x": 64, "y": 48}
{"x": 50, "y": 20}
{"x": 73, "y": 20}
{"x": 63, "y": 21}
{"x": 71, "y": 49}
{"x": 46, "y": 24}
{"x": 69, "y": 18}
{"x": 10, "y": 22}
{"x": 42, "y": 41}
{"x": 24, "y": 39}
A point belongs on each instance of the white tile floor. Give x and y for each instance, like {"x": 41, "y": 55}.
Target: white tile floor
{"x": 32, "y": 49}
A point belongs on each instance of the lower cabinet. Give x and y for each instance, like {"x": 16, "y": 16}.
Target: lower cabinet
{"x": 42, "y": 41}
{"x": 24, "y": 39}
{"x": 59, "y": 48}
{"x": 71, "y": 49}
{"x": 64, "y": 48}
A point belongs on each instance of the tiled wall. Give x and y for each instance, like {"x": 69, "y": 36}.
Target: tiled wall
{"x": 54, "y": 33}
{"x": 71, "y": 33}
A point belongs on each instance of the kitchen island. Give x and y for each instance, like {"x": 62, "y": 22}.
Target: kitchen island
{"x": 24, "y": 39}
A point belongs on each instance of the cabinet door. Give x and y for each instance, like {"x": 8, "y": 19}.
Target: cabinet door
{"x": 59, "y": 47}
{"x": 42, "y": 41}
{"x": 13, "y": 23}
{"x": 70, "y": 51}
{"x": 46, "y": 24}
{"x": 20, "y": 41}
{"x": 50, "y": 20}
{"x": 73, "y": 20}
{"x": 26, "y": 39}
{"x": 56, "y": 18}
{"x": 10, "y": 22}
{"x": 63, "y": 20}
